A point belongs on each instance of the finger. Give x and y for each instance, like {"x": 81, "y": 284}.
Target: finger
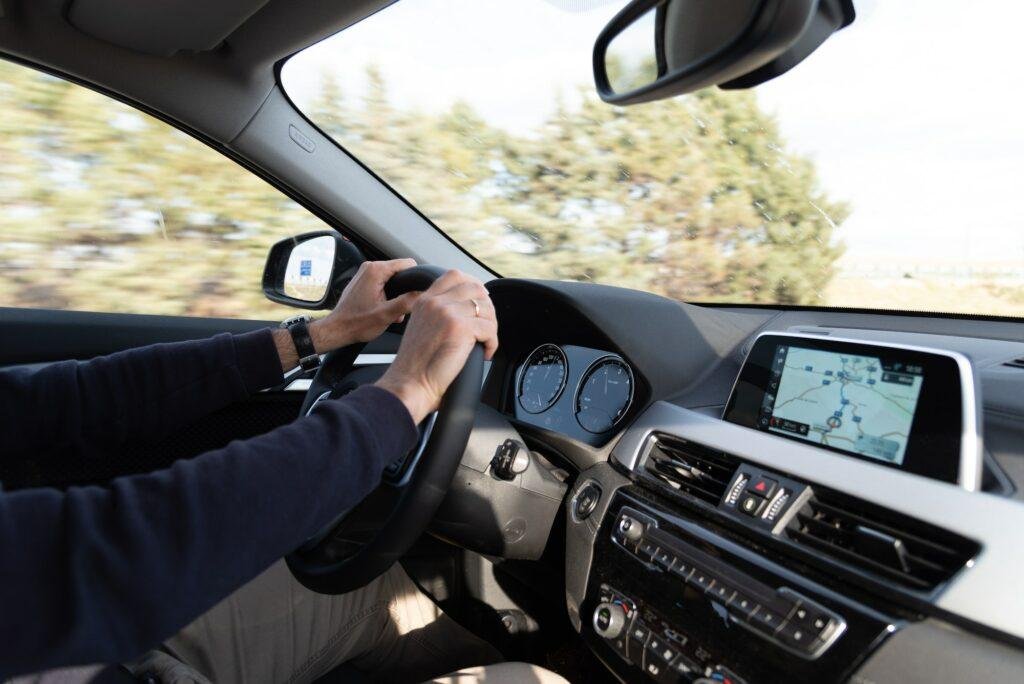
{"x": 486, "y": 332}
{"x": 386, "y": 269}
{"x": 402, "y": 304}
{"x": 449, "y": 280}
{"x": 471, "y": 289}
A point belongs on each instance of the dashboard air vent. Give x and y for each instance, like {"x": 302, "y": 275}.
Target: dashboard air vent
{"x": 690, "y": 468}
{"x": 1015, "y": 363}
{"x": 894, "y": 547}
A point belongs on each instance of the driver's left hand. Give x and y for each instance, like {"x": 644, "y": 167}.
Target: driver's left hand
{"x": 364, "y": 312}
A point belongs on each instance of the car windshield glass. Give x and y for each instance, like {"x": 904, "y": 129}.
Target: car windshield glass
{"x": 881, "y": 173}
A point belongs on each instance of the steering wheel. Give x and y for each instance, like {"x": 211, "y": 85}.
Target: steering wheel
{"x": 363, "y": 542}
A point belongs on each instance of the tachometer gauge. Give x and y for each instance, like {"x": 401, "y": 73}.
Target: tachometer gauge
{"x": 604, "y": 395}
{"x": 542, "y": 378}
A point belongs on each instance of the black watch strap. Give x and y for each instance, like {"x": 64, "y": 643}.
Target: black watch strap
{"x": 299, "y": 329}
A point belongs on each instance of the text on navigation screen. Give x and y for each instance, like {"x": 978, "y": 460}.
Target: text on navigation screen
{"x": 860, "y": 404}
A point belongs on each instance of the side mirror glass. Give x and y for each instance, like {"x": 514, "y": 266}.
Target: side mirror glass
{"x": 654, "y": 49}
{"x": 310, "y": 271}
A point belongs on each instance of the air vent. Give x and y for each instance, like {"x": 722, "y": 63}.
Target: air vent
{"x": 689, "y": 468}
{"x": 1015, "y": 363}
{"x": 888, "y": 545}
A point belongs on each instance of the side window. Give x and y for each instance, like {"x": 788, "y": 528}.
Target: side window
{"x": 104, "y": 208}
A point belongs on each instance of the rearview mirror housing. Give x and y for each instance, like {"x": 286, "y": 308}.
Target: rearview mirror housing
{"x": 311, "y": 270}
{"x": 655, "y": 49}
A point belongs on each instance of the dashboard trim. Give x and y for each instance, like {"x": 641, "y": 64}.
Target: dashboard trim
{"x": 971, "y": 446}
{"x": 977, "y": 515}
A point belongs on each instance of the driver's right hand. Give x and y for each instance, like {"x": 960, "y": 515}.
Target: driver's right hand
{"x": 443, "y": 327}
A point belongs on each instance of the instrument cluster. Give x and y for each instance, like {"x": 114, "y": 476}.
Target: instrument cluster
{"x": 579, "y": 391}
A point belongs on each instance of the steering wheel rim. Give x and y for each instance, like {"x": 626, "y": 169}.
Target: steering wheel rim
{"x": 428, "y": 478}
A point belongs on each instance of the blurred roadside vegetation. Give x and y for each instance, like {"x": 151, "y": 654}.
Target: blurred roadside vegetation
{"x": 104, "y": 208}
{"x": 695, "y": 198}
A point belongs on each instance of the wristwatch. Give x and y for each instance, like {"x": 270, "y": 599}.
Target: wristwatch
{"x": 298, "y": 326}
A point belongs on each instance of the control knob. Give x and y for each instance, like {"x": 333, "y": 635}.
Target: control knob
{"x": 609, "y": 620}
{"x": 631, "y": 529}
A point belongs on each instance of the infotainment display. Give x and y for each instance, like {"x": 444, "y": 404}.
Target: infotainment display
{"x": 861, "y": 404}
{"x": 902, "y": 407}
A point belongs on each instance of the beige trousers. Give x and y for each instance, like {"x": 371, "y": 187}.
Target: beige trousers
{"x": 275, "y": 630}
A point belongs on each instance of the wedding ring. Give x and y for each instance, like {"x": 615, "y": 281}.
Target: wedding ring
{"x": 476, "y": 308}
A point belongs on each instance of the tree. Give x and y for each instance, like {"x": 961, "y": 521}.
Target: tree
{"x": 105, "y": 208}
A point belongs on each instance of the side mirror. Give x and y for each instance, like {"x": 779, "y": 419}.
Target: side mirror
{"x": 310, "y": 271}
{"x": 655, "y": 49}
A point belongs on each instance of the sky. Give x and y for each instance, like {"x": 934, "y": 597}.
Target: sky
{"x": 912, "y": 114}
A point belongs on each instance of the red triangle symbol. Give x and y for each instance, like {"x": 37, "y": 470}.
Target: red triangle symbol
{"x": 759, "y": 486}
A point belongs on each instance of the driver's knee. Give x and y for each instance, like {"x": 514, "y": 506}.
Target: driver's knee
{"x": 276, "y": 627}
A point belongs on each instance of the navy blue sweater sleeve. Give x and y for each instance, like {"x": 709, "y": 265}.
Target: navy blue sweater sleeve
{"x": 100, "y": 574}
{"x": 72, "y": 406}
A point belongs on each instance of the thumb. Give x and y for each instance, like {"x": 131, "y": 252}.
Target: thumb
{"x": 402, "y": 304}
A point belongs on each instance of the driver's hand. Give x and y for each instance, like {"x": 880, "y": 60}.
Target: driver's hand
{"x": 363, "y": 312}
{"x": 441, "y": 332}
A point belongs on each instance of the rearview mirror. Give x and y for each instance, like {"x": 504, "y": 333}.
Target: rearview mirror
{"x": 654, "y": 49}
{"x": 310, "y": 271}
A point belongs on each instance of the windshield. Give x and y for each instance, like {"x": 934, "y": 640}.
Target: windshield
{"x": 881, "y": 173}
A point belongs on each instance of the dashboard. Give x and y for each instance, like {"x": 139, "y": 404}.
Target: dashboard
{"x": 764, "y": 495}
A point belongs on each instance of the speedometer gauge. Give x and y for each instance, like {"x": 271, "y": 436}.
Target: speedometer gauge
{"x": 542, "y": 378}
{"x": 604, "y": 394}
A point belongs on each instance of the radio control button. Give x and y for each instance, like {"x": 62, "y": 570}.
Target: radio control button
{"x": 646, "y": 550}
{"x": 631, "y": 529}
{"x": 795, "y": 636}
{"x": 683, "y": 568}
{"x": 766, "y": 620}
{"x": 701, "y": 579}
{"x": 721, "y": 592}
{"x": 811, "y": 619}
{"x": 743, "y": 606}
{"x": 664, "y": 558}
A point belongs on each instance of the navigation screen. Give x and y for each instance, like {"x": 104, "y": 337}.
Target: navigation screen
{"x": 861, "y": 404}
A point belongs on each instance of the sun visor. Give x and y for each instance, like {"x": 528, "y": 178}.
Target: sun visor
{"x": 162, "y": 27}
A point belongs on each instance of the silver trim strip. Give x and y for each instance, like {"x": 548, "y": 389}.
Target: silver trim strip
{"x": 428, "y": 430}
{"x": 303, "y": 384}
{"x": 971, "y": 445}
{"x": 984, "y": 592}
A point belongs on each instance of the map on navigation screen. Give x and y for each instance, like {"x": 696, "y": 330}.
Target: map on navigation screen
{"x": 859, "y": 404}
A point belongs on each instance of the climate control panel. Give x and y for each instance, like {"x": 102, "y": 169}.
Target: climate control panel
{"x": 645, "y": 639}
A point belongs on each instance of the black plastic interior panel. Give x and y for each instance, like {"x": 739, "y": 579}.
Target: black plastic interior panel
{"x": 161, "y": 28}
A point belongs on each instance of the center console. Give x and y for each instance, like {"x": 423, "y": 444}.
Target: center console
{"x": 669, "y": 602}
{"x": 706, "y": 567}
